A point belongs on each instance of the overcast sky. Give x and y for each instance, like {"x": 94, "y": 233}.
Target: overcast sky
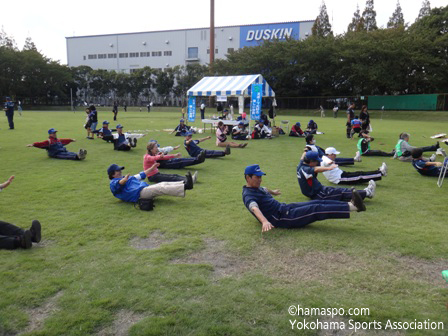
{"x": 48, "y": 22}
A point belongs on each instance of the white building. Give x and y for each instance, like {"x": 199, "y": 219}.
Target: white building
{"x": 164, "y": 49}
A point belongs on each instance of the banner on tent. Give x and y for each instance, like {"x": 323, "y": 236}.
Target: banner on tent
{"x": 191, "y": 109}
{"x": 255, "y": 103}
{"x": 221, "y": 98}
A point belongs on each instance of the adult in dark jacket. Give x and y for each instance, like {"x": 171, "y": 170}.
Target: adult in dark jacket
{"x": 9, "y": 112}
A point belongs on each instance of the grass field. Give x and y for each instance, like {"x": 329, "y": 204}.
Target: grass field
{"x": 199, "y": 265}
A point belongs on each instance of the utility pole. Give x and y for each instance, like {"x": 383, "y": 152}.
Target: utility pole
{"x": 212, "y": 42}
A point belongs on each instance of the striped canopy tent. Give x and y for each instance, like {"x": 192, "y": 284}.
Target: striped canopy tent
{"x": 231, "y": 86}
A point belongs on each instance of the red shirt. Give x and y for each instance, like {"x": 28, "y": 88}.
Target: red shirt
{"x": 46, "y": 144}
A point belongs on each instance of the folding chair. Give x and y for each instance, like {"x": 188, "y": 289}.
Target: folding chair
{"x": 442, "y": 173}
{"x": 286, "y": 122}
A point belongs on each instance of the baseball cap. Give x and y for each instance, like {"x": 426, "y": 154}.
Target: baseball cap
{"x": 8, "y": 98}
{"x": 106, "y": 122}
{"x": 119, "y": 126}
{"x": 188, "y": 133}
{"x": 241, "y": 123}
{"x": 113, "y": 168}
{"x": 254, "y": 170}
{"x": 297, "y": 124}
{"x": 182, "y": 120}
{"x": 152, "y": 140}
{"x": 313, "y": 156}
{"x": 331, "y": 150}
{"x": 311, "y": 120}
{"x": 51, "y": 131}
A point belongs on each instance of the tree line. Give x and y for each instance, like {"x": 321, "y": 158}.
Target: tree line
{"x": 366, "y": 60}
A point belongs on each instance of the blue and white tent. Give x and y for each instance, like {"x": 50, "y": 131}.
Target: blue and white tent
{"x": 231, "y": 86}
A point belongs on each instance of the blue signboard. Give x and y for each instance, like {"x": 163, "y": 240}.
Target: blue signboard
{"x": 191, "y": 109}
{"x": 255, "y": 101}
{"x": 254, "y": 35}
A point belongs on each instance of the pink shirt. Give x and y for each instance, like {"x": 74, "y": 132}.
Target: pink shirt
{"x": 149, "y": 160}
{"x": 220, "y": 136}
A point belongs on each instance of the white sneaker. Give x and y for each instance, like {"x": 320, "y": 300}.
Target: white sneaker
{"x": 370, "y": 190}
{"x": 195, "y": 177}
{"x": 357, "y": 157}
{"x": 383, "y": 169}
{"x": 432, "y": 158}
{"x": 441, "y": 151}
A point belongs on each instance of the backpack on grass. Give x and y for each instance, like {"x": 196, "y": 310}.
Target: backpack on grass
{"x": 145, "y": 204}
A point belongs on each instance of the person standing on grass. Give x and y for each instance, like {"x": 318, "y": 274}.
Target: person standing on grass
{"x": 335, "y": 111}
{"x": 125, "y": 107}
{"x": 13, "y": 237}
{"x": 310, "y": 186}
{"x": 350, "y": 117}
{"x": 364, "y": 146}
{"x": 115, "y": 110}
{"x": 425, "y": 167}
{"x": 93, "y": 116}
{"x": 9, "y": 112}
{"x": 191, "y": 146}
{"x": 88, "y": 122}
{"x": 364, "y": 116}
{"x": 152, "y": 156}
{"x": 177, "y": 162}
{"x": 55, "y": 147}
{"x": 403, "y": 148}
{"x": 337, "y": 175}
{"x": 131, "y": 188}
{"x": 221, "y": 137}
{"x": 202, "y": 108}
{"x": 273, "y": 214}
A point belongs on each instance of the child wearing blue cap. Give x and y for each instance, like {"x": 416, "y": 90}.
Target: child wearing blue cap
{"x": 271, "y": 213}
{"x": 105, "y": 133}
{"x": 310, "y": 186}
{"x": 311, "y": 128}
{"x": 296, "y": 131}
{"x": 122, "y": 141}
{"x": 194, "y": 150}
{"x": 55, "y": 147}
{"x": 239, "y": 132}
{"x": 181, "y": 129}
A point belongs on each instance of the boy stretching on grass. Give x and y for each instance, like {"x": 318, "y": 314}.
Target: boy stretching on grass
{"x": 271, "y": 213}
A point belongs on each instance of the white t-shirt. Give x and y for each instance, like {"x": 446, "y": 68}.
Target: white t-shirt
{"x": 202, "y": 106}
{"x": 334, "y": 175}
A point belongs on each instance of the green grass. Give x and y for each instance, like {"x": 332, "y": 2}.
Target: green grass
{"x": 387, "y": 259}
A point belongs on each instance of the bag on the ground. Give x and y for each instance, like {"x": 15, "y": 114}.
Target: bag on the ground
{"x": 145, "y": 204}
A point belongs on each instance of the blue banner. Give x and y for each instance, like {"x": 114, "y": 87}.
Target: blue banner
{"x": 253, "y": 35}
{"x": 191, "y": 109}
{"x": 255, "y": 102}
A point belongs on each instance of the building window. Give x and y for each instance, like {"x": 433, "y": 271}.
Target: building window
{"x": 94, "y": 56}
{"x": 230, "y": 50}
{"x": 111, "y": 55}
{"x": 193, "y": 52}
{"x": 133, "y": 70}
{"x": 123, "y": 55}
{"x": 167, "y": 53}
{"x": 84, "y": 58}
{"x": 134, "y": 54}
{"x": 208, "y": 51}
{"x": 156, "y": 53}
{"x": 102, "y": 56}
{"x": 145, "y": 54}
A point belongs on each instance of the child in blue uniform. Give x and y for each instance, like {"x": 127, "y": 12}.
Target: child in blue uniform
{"x": 271, "y": 213}
{"x": 194, "y": 150}
{"x": 423, "y": 166}
{"x": 310, "y": 186}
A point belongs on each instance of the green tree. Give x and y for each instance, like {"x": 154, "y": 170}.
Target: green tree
{"x": 357, "y": 23}
{"x": 425, "y": 10}
{"x": 397, "y": 19}
{"x": 369, "y": 16}
{"x": 322, "y": 26}
{"x": 29, "y": 44}
{"x": 164, "y": 82}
